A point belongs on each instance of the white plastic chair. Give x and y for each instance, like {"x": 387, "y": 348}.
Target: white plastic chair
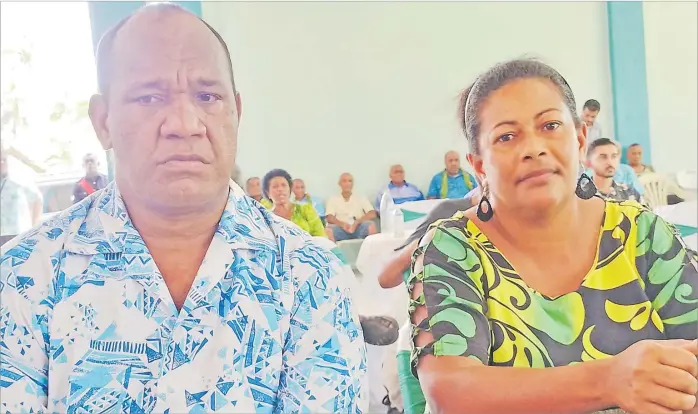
{"x": 656, "y": 189}
{"x": 687, "y": 179}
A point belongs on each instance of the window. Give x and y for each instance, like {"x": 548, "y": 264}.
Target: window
{"x": 48, "y": 76}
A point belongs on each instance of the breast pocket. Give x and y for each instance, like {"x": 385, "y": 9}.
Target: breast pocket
{"x": 112, "y": 377}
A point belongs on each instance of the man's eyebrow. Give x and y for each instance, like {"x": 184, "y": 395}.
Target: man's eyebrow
{"x": 159, "y": 84}
{"x": 207, "y": 82}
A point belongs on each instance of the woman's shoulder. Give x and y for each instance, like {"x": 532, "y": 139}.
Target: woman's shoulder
{"x": 455, "y": 229}
{"x": 638, "y": 215}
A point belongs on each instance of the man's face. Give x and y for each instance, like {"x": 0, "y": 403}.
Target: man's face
{"x": 452, "y": 162}
{"x": 635, "y": 155}
{"x": 604, "y": 160}
{"x": 346, "y": 182}
{"x": 397, "y": 174}
{"x": 589, "y": 116}
{"x": 298, "y": 189}
{"x": 91, "y": 165}
{"x": 254, "y": 187}
{"x": 170, "y": 114}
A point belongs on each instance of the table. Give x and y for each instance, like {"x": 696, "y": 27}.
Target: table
{"x": 685, "y": 217}
{"x": 377, "y": 250}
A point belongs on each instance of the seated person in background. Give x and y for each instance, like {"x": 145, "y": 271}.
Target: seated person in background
{"x": 21, "y": 204}
{"x": 92, "y": 181}
{"x": 393, "y": 274}
{"x": 634, "y": 155}
{"x": 604, "y": 157}
{"x": 626, "y": 175}
{"x": 452, "y": 182}
{"x": 590, "y": 114}
{"x": 349, "y": 216}
{"x": 277, "y": 187}
{"x": 400, "y": 190}
{"x": 300, "y": 196}
{"x": 253, "y": 189}
{"x": 599, "y": 296}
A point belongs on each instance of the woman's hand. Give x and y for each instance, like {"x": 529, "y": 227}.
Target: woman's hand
{"x": 655, "y": 377}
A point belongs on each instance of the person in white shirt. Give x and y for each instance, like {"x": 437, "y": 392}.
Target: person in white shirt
{"x": 349, "y": 216}
{"x": 590, "y": 113}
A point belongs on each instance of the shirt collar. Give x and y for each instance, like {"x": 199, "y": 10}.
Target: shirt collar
{"x": 404, "y": 184}
{"x": 105, "y": 226}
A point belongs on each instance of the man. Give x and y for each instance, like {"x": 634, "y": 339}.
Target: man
{"x": 253, "y": 189}
{"x": 350, "y": 215}
{"x": 21, "y": 205}
{"x": 604, "y": 158}
{"x": 171, "y": 291}
{"x": 590, "y": 113}
{"x": 624, "y": 173}
{"x": 92, "y": 181}
{"x": 300, "y": 196}
{"x": 453, "y": 181}
{"x": 399, "y": 190}
{"x": 634, "y": 155}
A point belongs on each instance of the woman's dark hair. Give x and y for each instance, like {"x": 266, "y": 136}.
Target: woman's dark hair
{"x": 278, "y": 172}
{"x": 472, "y": 98}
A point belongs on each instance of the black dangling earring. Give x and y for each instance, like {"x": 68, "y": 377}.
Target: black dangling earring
{"x": 586, "y": 188}
{"x": 486, "y": 213}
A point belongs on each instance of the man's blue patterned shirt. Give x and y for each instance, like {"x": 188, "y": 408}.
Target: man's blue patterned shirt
{"x": 87, "y": 323}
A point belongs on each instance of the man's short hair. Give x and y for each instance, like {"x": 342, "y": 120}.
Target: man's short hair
{"x": 106, "y": 43}
{"x": 599, "y": 143}
{"x": 637, "y": 144}
{"x": 592, "y": 105}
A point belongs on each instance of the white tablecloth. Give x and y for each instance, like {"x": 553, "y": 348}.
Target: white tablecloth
{"x": 686, "y": 214}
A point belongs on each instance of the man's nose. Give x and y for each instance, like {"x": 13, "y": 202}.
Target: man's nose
{"x": 183, "y": 119}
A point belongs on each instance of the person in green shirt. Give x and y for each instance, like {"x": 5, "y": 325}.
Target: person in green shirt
{"x": 277, "y": 188}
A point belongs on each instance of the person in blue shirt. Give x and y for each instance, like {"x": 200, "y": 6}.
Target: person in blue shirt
{"x": 194, "y": 298}
{"x": 400, "y": 190}
{"x": 624, "y": 174}
{"x": 453, "y": 181}
{"x": 300, "y": 196}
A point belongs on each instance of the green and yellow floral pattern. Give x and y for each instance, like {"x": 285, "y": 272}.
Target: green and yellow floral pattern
{"x": 644, "y": 285}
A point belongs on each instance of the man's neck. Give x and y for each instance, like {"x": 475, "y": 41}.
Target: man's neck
{"x": 346, "y": 194}
{"x": 91, "y": 176}
{"x": 177, "y": 231}
{"x": 398, "y": 184}
{"x": 257, "y": 198}
{"x": 603, "y": 184}
{"x": 453, "y": 174}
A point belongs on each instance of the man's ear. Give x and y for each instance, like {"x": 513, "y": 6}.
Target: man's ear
{"x": 98, "y": 112}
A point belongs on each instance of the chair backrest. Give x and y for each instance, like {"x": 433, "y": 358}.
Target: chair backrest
{"x": 656, "y": 189}
{"x": 687, "y": 179}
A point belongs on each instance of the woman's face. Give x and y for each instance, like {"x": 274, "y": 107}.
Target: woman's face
{"x": 529, "y": 146}
{"x": 279, "y": 191}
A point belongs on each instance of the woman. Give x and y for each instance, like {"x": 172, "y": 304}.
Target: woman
{"x": 544, "y": 274}
{"x": 277, "y": 188}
